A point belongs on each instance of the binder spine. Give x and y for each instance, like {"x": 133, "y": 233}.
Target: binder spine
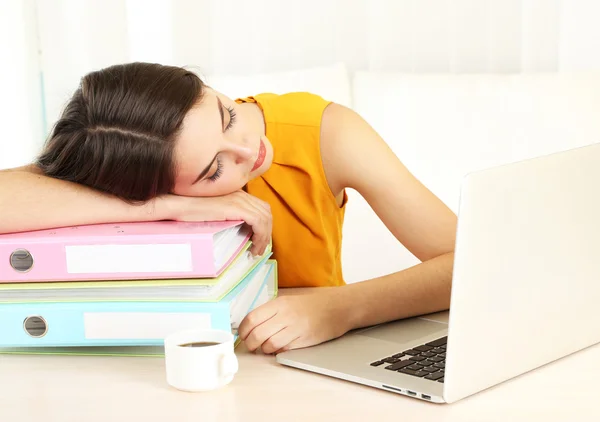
{"x": 111, "y": 259}
{"x": 105, "y": 323}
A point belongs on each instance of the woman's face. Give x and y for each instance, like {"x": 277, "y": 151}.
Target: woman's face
{"x": 222, "y": 146}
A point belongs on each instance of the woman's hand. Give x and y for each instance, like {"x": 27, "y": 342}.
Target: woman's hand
{"x": 235, "y": 206}
{"x": 292, "y": 322}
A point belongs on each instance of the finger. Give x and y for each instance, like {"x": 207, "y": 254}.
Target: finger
{"x": 261, "y": 238}
{"x": 260, "y": 336}
{"x": 256, "y": 204}
{"x": 296, "y": 343}
{"x": 249, "y": 205}
{"x": 258, "y": 215}
{"x": 263, "y": 204}
{"x": 258, "y": 229}
{"x": 263, "y": 221}
{"x": 255, "y": 318}
{"x": 262, "y": 241}
{"x": 259, "y": 245}
{"x": 279, "y": 341}
{"x": 261, "y": 217}
{"x": 265, "y": 233}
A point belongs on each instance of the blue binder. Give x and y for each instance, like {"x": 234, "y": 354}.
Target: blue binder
{"x": 129, "y": 323}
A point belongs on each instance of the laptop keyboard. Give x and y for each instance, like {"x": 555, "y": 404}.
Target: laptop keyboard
{"x": 426, "y": 361}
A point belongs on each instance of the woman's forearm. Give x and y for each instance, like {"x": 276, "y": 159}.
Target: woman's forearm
{"x": 32, "y": 201}
{"x": 421, "y": 289}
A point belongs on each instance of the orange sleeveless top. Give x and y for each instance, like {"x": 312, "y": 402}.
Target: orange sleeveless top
{"x": 307, "y": 221}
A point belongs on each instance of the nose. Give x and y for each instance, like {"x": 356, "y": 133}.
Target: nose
{"x": 242, "y": 152}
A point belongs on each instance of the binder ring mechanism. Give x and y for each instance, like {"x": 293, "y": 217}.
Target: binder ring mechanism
{"x": 35, "y": 326}
{"x": 21, "y": 260}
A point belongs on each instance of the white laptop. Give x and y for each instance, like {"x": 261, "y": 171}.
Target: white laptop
{"x": 526, "y": 285}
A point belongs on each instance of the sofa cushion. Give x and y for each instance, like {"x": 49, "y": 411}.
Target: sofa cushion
{"x": 330, "y": 82}
{"x": 444, "y": 126}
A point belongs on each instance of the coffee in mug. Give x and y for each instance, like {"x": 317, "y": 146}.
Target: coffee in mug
{"x": 200, "y": 360}
{"x": 200, "y": 344}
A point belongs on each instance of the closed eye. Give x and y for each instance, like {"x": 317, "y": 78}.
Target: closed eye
{"x": 232, "y": 116}
{"x": 218, "y": 172}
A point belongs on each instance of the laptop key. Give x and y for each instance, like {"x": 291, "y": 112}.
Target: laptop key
{"x": 399, "y": 365}
{"x": 434, "y": 376}
{"x": 398, "y": 355}
{"x": 391, "y": 360}
{"x": 411, "y": 352}
{"x": 440, "y": 365}
{"x": 438, "y": 351}
{"x": 415, "y": 373}
{"x": 427, "y": 354}
{"x": 378, "y": 363}
{"x": 414, "y": 367}
{"x": 439, "y": 342}
{"x": 416, "y": 358}
{"x": 423, "y": 348}
{"x": 430, "y": 369}
{"x": 435, "y": 359}
{"x": 441, "y": 380}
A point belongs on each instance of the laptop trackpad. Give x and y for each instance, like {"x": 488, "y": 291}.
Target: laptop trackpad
{"x": 405, "y": 331}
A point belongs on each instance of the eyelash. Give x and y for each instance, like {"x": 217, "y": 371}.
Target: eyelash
{"x": 232, "y": 115}
{"x": 219, "y": 171}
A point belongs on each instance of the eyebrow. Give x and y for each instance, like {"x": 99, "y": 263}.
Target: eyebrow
{"x": 220, "y": 106}
{"x": 207, "y": 169}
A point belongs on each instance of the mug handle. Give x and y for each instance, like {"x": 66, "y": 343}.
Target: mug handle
{"x": 228, "y": 365}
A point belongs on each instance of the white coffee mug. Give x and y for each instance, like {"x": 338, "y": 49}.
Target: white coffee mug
{"x": 200, "y": 360}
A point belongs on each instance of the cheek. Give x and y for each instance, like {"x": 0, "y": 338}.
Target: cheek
{"x": 229, "y": 182}
{"x": 226, "y": 184}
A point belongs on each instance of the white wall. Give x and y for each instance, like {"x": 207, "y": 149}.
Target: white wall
{"x": 238, "y": 37}
{"x": 21, "y": 112}
{"x": 243, "y": 46}
{"x": 76, "y": 37}
{"x": 579, "y": 41}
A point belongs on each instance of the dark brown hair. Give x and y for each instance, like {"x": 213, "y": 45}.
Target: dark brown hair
{"x": 117, "y": 132}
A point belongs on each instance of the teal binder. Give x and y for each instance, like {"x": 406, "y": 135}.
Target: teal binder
{"x": 127, "y": 327}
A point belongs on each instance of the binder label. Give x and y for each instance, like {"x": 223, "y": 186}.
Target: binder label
{"x": 155, "y": 258}
{"x": 141, "y": 325}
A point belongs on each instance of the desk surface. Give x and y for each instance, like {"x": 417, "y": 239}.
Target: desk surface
{"x": 84, "y": 388}
{"x": 103, "y": 388}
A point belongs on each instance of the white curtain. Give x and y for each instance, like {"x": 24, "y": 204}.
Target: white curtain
{"x": 237, "y": 37}
{"x": 21, "y": 111}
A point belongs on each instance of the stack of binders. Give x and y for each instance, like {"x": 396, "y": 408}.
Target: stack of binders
{"x": 131, "y": 284}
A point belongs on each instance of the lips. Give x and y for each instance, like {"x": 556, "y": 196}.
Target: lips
{"x": 262, "y": 151}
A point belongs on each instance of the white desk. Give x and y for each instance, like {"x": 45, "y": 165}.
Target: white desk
{"x": 89, "y": 389}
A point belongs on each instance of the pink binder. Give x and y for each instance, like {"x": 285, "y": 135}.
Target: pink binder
{"x": 148, "y": 250}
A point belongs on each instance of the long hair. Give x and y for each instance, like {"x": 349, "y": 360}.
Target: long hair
{"x": 117, "y": 132}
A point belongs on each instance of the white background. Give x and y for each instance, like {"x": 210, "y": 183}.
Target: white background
{"x": 47, "y": 45}
{"x": 390, "y": 48}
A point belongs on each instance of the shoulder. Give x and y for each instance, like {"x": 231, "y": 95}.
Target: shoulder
{"x": 347, "y": 142}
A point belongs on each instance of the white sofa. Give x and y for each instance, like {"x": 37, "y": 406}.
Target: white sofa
{"x": 442, "y": 126}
